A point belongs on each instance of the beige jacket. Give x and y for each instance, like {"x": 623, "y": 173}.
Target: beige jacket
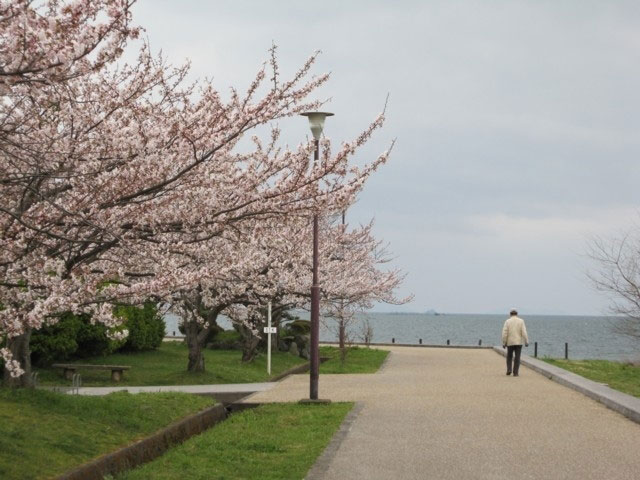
{"x": 514, "y": 332}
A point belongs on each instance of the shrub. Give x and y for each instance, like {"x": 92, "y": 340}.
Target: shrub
{"x": 145, "y": 324}
{"x": 226, "y": 340}
{"x": 296, "y": 327}
{"x": 73, "y": 336}
{"x": 295, "y": 330}
{"x": 58, "y": 341}
{"x": 93, "y": 341}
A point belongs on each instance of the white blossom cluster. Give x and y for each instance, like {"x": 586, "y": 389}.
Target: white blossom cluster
{"x": 121, "y": 182}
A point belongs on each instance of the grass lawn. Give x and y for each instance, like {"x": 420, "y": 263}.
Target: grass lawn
{"x": 44, "y": 434}
{"x": 275, "y": 441}
{"x": 168, "y": 366}
{"x": 620, "y": 376}
{"x": 359, "y": 360}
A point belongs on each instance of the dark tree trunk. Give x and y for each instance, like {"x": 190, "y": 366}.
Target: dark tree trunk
{"x": 19, "y": 348}
{"x": 196, "y": 334}
{"x": 341, "y": 336}
{"x": 250, "y": 342}
{"x": 250, "y": 348}
{"x": 195, "y": 342}
{"x": 342, "y": 340}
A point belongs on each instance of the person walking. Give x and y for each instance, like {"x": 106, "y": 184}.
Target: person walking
{"x": 514, "y": 334}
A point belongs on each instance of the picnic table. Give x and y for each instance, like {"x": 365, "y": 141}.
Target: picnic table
{"x": 70, "y": 369}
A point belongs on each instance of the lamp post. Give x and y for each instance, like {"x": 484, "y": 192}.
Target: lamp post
{"x": 316, "y": 122}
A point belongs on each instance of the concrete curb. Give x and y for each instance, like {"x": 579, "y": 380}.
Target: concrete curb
{"x": 410, "y": 345}
{"x": 296, "y": 370}
{"x": 292, "y": 371}
{"x": 322, "y": 463}
{"x": 305, "y": 367}
{"x": 148, "y": 448}
{"x": 627, "y": 405}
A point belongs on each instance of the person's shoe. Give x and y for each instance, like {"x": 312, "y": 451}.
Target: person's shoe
{"x": 516, "y": 375}
{"x": 508, "y": 373}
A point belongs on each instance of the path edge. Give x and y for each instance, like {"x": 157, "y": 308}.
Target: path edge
{"x": 302, "y": 368}
{"x": 625, "y": 404}
{"x": 323, "y": 462}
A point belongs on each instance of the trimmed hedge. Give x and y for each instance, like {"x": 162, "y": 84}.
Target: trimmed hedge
{"x": 73, "y": 336}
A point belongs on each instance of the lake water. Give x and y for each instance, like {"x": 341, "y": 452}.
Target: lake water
{"x": 588, "y": 336}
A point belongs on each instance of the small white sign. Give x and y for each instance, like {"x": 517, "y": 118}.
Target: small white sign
{"x": 270, "y": 329}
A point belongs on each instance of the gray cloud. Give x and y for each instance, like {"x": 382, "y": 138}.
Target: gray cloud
{"x": 516, "y": 124}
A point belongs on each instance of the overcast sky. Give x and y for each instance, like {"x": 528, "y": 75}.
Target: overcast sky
{"x": 516, "y": 124}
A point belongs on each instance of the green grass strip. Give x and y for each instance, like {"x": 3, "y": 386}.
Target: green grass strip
{"x": 275, "y": 441}
{"x": 168, "y": 366}
{"x": 358, "y": 360}
{"x": 623, "y": 377}
{"x": 44, "y": 434}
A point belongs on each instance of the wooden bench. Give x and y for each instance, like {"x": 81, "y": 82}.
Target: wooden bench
{"x": 70, "y": 369}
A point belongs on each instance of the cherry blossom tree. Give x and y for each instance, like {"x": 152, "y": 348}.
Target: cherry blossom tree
{"x": 273, "y": 264}
{"x": 356, "y": 278}
{"x": 232, "y": 273}
{"x": 111, "y": 176}
{"x": 270, "y": 261}
{"x": 41, "y": 50}
{"x": 60, "y": 41}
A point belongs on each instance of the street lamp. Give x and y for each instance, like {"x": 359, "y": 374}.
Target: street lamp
{"x": 316, "y": 122}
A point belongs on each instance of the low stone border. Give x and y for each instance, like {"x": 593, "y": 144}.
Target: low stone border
{"x": 148, "y": 448}
{"x": 321, "y": 465}
{"x": 627, "y": 405}
{"x": 299, "y": 369}
{"x": 292, "y": 371}
{"x": 410, "y": 345}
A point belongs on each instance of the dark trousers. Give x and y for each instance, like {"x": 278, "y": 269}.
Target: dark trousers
{"x": 511, "y": 361}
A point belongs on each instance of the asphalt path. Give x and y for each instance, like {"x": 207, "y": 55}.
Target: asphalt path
{"x": 454, "y": 414}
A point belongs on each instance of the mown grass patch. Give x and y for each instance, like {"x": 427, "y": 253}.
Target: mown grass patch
{"x": 358, "y": 360}
{"x": 271, "y": 442}
{"x": 168, "y": 366}
{"x": 44, "y": 434}
{"x": 620, "y": 376}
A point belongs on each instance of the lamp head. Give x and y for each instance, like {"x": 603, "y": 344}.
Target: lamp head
{"x": 316, "y": 122}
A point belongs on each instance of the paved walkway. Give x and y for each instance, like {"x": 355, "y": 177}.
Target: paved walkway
{"x": 453, "y": 414}
{"x": 198, "y": 389}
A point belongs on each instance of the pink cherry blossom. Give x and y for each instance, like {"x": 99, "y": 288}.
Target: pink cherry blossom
{"x": 121, "y": 182}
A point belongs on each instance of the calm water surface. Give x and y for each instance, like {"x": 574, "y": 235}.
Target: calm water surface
{"x": 588, "y": 337}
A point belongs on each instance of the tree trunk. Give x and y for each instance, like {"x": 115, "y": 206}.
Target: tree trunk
{"x": 195, "y": 342}
{"x": 250, "y": 348}
{"x": 343, "y": 348}
{"x": 19, "y": 348}
{"x": 250, "y": 342}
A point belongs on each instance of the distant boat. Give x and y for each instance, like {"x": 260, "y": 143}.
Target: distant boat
{"x": 431, "y": 312}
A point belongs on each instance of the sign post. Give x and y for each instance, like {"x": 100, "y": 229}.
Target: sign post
{"x": 269, "y": 330}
